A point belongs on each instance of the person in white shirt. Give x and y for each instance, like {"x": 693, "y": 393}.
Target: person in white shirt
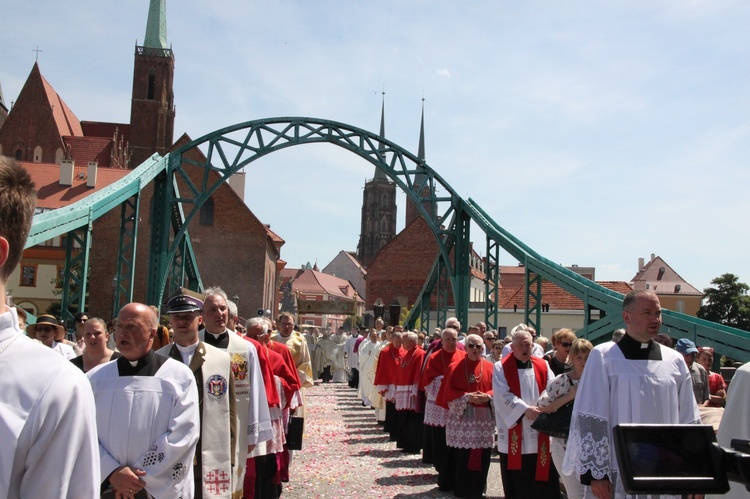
{"x": 47, "y": 416}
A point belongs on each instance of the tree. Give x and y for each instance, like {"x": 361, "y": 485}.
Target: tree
{"x": 727, "y": 303}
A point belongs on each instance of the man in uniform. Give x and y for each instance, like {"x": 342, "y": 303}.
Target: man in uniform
{"x": 47, "y": 415}
{"x": 214, "y": 456}
{"x": 146, "y": 413}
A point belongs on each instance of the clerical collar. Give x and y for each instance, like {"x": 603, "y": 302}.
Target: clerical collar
{"x": 523, "y": 365}
{"x": 147, "y": 365}
{"x": 220, "y": 340}
{"x": 635, "y": 350}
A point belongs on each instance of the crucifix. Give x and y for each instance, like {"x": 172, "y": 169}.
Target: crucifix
{"x": 37, "y": 52}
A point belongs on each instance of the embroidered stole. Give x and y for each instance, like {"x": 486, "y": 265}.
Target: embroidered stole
{"x": 238, "y": 362}
{"x": 215, "y": 438}
{"x": 515, "y": 434}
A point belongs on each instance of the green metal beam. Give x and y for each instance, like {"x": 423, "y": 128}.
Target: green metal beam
{"x": 125, "y": 273}
{"x": 75, "y": 281}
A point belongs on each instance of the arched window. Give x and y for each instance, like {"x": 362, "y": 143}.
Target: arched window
{"x": 38, "y": 154}
{"x": 207, "y": 212}
{"x": 384, "y": 200}
{"x": 151, "y": 84}
{"x": 58, "y": 156}
{"x": 19, "y": 155}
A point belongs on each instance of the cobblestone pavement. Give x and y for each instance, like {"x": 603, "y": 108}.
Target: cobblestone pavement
{"x": 346, "y": 454}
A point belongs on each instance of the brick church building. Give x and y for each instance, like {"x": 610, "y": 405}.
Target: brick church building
{"x": 233, "y": 248}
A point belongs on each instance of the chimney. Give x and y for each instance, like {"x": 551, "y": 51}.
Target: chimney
{"x": 92, "y": 169}
{"x": 653, "y": 257}
{"x": 641, "y": 263}
{"x": 66, "y": 172}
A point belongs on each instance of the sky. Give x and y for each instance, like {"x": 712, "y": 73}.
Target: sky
{"x": 595, "y": 132}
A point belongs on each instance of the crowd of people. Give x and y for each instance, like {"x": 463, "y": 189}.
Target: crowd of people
{"x": 475, "y": 391}
{"x": 204, "y": 407}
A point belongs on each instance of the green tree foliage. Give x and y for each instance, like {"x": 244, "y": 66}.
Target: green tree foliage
{"x": 727, "y": 302}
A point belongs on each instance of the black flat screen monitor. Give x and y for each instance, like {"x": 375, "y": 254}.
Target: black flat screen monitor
{"x": 669, "y": 459}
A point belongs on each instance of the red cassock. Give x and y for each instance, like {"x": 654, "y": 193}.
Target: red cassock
{"x": 265, "y": 367}
{"x": 389, "y": 360}
{"x": 465, "y": 376}
{"x": 288, "y": 376}
{"x": 437, "y": 365}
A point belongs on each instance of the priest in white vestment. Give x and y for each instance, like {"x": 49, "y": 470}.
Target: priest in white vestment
{"x": 635, "y": 380}
{"x": 147, "y": 414}
{"x": 366, "y": 357}
{"x": 254, "y": 415}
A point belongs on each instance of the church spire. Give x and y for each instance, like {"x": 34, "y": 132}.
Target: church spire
{"x": 420, "y": 152}
{"x": 156, "y": 26}
{"x": 380, "y": 174}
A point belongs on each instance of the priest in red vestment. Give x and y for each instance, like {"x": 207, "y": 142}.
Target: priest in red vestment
{"x": 435, "y": 416}
{"x": 385, "y": 382}
{"x": 406, "y": 391}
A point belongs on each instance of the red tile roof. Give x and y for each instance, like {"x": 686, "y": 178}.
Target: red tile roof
{"x": 85, "y": 149}
{"x": 102, "y": 129}
{"x": 315, "y": 282}
{"x": 554, "y": 296}
{"x": 52, "y": 195}
{"x": 67, "y": 122}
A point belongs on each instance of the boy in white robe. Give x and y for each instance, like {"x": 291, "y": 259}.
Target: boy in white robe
{"x": 48, "y": 442}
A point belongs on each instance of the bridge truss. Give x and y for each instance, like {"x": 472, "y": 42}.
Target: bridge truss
{"x": 186, "y": 178}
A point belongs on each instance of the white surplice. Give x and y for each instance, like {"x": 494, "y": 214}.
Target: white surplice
{"x": 616, "y": 390}
{"x": 149, "y": 422}
{"x": 48, "y": 440}
{"x": 509, "y": 407}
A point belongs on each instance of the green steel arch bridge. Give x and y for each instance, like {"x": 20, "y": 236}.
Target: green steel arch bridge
{"x": 178, "y": 198}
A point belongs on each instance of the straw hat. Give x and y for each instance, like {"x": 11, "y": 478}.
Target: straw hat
{"x": 46, "y": 319}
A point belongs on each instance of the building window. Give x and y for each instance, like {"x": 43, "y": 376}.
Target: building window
{"x": 60, "y": 276}
{"x": 19, "y": 155}
{"x": 680, "y": 305}
{"x": 207, "y": 212}
{"x": 28, "y": 274}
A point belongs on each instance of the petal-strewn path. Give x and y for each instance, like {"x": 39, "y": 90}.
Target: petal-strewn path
{"x": 346, "y": 454}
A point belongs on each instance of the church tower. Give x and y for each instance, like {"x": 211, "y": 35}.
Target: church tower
{"x": 378, "y": 210}
{"x": 152, "y": 105}
{"x": 411, "y": 209}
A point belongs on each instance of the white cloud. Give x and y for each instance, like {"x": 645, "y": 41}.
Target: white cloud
{"x": 443, "y": 72}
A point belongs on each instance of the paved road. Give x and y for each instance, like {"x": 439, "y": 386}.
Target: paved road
{"x": 346, "y": 454}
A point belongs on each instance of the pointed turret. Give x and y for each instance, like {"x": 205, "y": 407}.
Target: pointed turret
{"x": 380, "y": 174}
{"x": 3, "y": 108}
{"x": 156, "y": 26}
{"x": 419, "y": 178}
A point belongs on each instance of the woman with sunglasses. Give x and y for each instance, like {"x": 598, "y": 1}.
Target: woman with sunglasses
{"x": 562, "y": 340}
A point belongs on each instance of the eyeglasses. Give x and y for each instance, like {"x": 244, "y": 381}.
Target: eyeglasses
{"x": 44, "y": 329}
{"x": 565, "y": 344}
{"x": 490, "y": 338}
{"x": 473, "y": 345}
{"x": 81, "y": 320}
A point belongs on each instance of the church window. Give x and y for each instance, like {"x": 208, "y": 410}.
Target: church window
{"x": 19, "y": 155}
{"x": 383, "y": 224}
{"x": 58, "y": 156}
{"x": 207, "y": 212}
{"x": 385, "y": 200}
{"x": 151, "y": 84}
{"x": 38, "y": 154}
